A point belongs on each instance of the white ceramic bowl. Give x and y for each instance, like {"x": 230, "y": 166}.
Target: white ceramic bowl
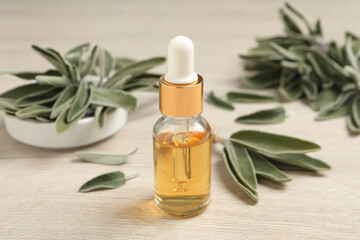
{"x": 83, "y": 132}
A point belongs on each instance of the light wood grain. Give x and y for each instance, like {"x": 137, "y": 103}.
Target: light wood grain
{"x": 39, "y": 198}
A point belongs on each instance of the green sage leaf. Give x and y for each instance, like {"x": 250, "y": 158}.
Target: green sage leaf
{"x": 121, "y": 76}
{"x": 242, "y": 164}
{"x": 81, "y": 101}
{"x": 46, "y": 97}
{"x": 123, "y": 62}
{"x": 300, "y": 160}
{"x": 273, "y": 143}
{"x": 31, "y": 75}
{"x": 114, "y": 98}
{"x": 74, "y": 55}
{"x": 106, "y": 62}
{"x": 266, "y": 169}
{"x": 355, "y": 110}
{"x": 32, "y": 111}
{"x": 90, "y": 62}
{"x": 352, "y": 124}
{"x": 104, "y": 158}
{"x": 109, "y": 180}
{"x": 64, "y": 100}
{"x": 330, "y": 112}
{"x": 213, "y": 99}
{"x": 61, "y": 122}
{"x": 250, "y": 193}
{"x": 269, "y": 116}
{"x": 55, "y": 81}
{"x": 325, "y": 97}
{"x": 264, "y": 79}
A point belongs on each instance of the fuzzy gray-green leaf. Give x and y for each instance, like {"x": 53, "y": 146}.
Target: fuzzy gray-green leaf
{"x": 355, "y": 110}
{"x": 119, "y": 78}
{"x": 32, "y": 111}
{"x": 90, "y": 62}
{"x": 81, "y": 101}
{"x": 55, "y": 81}
{"x": 264, "y": 168}
{"x": 104, "y": 158}
{"x": 242, "y": 164}
{"x": 109, "y": 180}
{"x": 46, "y": 97}
{"x": 269, "y": 116}
{"x": 213, "y": 99}
{"x": 300, "y": 160}
{"x": 273, "y": 143}
{"x": 63, "y": 101}
{"x": 106, "y": 62}
{"x": 74, "y": 54}
{"x": 114, "y": 98}
{"x": 250, "y": 193}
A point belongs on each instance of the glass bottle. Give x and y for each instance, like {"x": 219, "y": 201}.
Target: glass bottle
{"x": 182, "y": 138}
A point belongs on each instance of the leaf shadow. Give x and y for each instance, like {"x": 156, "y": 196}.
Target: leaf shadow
{"x": 228, "y": 182}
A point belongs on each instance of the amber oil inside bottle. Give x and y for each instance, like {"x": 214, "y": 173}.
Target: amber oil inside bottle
{"x": 182, "y": 172}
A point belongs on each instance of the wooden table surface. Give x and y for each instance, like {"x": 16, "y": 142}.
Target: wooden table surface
{"x": 39, "y": 198}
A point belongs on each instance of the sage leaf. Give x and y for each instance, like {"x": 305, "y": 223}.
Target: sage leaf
{"x": 104, "y": 158}
{"x": 114, "y": 98}
{"x": 266, "y": 169}
{"x": 288, "y": 22}
{"x": 352, "y": 125}
{"x": 310, "y": 23}
{"x": 282, "y": 51}
{"x": 118, "y": 79}
{"x": 90, "y": 62}
{"x": 251, "y": 194}
{"x": 300, "y": 160}
{"x": 285, "y": 166}
{"x": 42, "y": 119}
{"x": 81, "y": 101}
{"x": 263, "y": 79}
{"x": 325, "y": 97}
{"x": 31, "y": 75}
{"x": 106, "y": 62}
{"x": 28, "y": 90}
{"x": 74, "y": 55}
{"x": 213, "y": 99}
{"x": 61, "y": 122}
{"x": 55, "y": 81}
{"x": 329, "y": 112}
{"x": 242, "y": 164}
{"x": 46, "y": 97}
{"x": 273, "y": 143}
{"x": 7, "y": 103}
{"x": 64, "y": 100}
{"x": 50, "y": 57}
{"x": 269, "y": 116}
{"x": 355, "y": 110}
{"x": 32, "y": 111}
{"x": 249, "y": 97}
{"x": 100, "y": 116}
{"x": 109, "y": 180}
{"x": 123, "y": 62}
{"x": 350, "y": 56}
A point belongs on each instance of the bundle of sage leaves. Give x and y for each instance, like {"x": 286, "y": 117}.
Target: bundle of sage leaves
{"x": 79, "y": 86}
{"x": 304, "y": 65}
{"x": 251, "y": 154}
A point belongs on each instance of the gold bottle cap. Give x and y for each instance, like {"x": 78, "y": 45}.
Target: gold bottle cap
{"x": 181, "y": 100}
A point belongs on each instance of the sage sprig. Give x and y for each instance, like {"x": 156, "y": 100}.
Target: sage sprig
{"x": 302, "y": 64}
{"x": 109, "y": 180}
{"x": 79, "y": 86}
{"x": 251, "y": 154}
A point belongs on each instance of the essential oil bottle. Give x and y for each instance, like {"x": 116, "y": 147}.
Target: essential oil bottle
{"x": 182, "y": 137}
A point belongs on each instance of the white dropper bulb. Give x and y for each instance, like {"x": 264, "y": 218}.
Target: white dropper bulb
{"x": 181, "y": 61}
